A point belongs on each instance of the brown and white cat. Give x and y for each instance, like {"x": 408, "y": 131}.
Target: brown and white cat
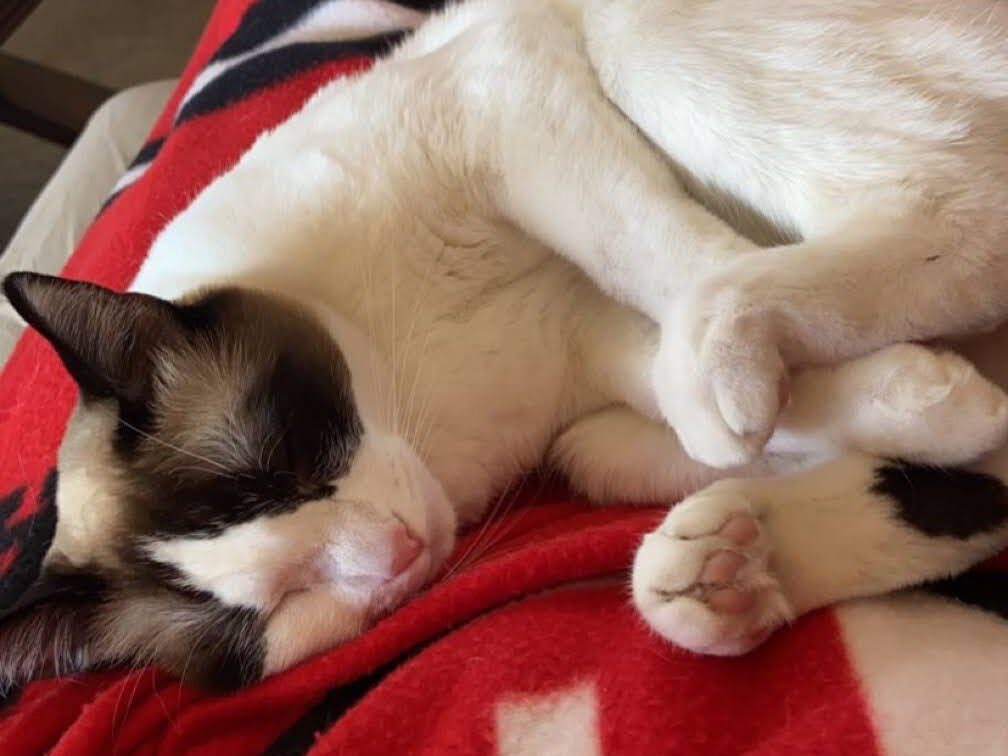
{"x": 505, "y": 244}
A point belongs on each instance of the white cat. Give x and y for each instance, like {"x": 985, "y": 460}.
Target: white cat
{"x": 531, "y": 233}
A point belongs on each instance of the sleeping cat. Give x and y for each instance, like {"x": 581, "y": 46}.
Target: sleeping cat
{"x": 533, "y": 233}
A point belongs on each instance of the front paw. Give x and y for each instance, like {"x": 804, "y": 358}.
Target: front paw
{"x": 719, "y": 378}
{"x": 702, "y": 579}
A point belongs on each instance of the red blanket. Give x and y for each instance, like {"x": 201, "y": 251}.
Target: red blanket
{"x": 528, "y": 644}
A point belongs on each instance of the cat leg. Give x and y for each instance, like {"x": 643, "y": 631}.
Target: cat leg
{"x": 910, "y": 401}
{"x": 728, "y": 342}
{"x": 904, "y": 237}
{"x": 746, "y": 555}
{"x": 566, "y": 167}
{"x": 616, "y": 455}
{"x": 741, "y": 558}
{"x": 625, "y": 220}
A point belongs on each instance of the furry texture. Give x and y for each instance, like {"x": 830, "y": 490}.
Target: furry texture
{"x": 511, "y": 272}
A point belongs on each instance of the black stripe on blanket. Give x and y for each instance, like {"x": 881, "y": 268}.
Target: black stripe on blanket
{"x": 263, "y": 21}
{"x": 111, "y": 198}
{"x": 143, "y": 160}
{"x": 147, "y": 153}
{"x": 428, "y": 6}
{"x": 274, "y": 66}
{"x": 300, "y": 737}
{"x": 268, "y": 19}
{"x": 31, "y": 537}
{"x": 983, "y": 590}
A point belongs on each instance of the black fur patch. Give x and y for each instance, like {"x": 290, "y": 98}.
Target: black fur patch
{"x": 944, "y": 502}
{"x": 73, "y": 587}
{"x": 300, "y": 411}
{"x": 147, "y": 153}
{"x": 232, "y": 655}
{"x": 983, "y": 590}
{"x": 427, "y": 6}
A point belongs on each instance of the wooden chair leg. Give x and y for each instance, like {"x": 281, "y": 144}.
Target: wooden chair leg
{"x": 43, "y": 101}
{"x": 40, "y": 100}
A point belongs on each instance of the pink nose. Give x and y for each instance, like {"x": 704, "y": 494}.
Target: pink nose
{"x": 406, "y": 547}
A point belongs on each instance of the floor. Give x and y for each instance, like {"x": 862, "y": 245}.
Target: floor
{"x": 124, "y": 42}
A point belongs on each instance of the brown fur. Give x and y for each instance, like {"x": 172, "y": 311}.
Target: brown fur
{"x": 198, "y": 415}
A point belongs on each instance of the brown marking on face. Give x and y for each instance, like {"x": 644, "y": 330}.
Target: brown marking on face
{"x": 195, "y": 416}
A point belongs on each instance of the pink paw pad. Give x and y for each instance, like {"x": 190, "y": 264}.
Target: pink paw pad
{"x": 730, "y": 600}
{"x": 740, "y": 529}
{"x": 719, "y": 573}
{"x": 721, "y": 567}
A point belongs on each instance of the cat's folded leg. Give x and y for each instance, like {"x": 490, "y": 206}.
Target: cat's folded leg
{"x": 914, "y": 402}
{"x": 905, "y": 401}
{"x": 910, "y": 401}
{"x": 744, "y": 556}
{"x": 570, "y": 170}
{"x": 727, "y": 343}
{"x": 619, "y": 456}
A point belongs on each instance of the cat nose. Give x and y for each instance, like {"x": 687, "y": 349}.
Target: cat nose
{"x": 406, "y": 547}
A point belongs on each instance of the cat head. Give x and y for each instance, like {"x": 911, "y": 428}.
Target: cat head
{"x": 228, "y": 501}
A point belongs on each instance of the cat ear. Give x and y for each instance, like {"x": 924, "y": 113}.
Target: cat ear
{"x": 105, "y": 339}
{"x": 49, "y": 631}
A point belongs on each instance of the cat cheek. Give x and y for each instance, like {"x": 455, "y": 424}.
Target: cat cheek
{"x": 308, "y": 622}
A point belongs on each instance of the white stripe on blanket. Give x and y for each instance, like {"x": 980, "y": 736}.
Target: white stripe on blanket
{"x": 334, "y": 21}
{"x": 935, "y": 674}
{"x": 560, "y": 723}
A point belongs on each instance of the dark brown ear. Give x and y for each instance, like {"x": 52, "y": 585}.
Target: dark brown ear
{"x": 105, "y": 339}
{"x": 49, "y": 631}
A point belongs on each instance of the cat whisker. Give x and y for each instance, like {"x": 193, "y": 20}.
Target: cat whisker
{"x": 492, "y": 531}
{"x": 264, "y": 463}
{"x": 192, "y": 649}
{"x": 212, "y": 473}
{"x": 504, "y": 529}
{"x": 133, "y": 677}
{"x": 485, "y": 527}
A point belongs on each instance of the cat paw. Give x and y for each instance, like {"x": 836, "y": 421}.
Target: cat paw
{"x": 703, "y": 581}
{"x": 719, "y": 377}
{"x": 935, "y": 408}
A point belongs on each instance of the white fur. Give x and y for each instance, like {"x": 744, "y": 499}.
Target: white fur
{"x": 824, "y": 536}
{"x": 497, "y": 239}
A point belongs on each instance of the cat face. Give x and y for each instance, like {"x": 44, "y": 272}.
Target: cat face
{"x": 229, "y": 501}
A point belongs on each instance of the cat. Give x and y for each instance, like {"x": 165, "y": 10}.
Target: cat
{"x": 537, "y": 232}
